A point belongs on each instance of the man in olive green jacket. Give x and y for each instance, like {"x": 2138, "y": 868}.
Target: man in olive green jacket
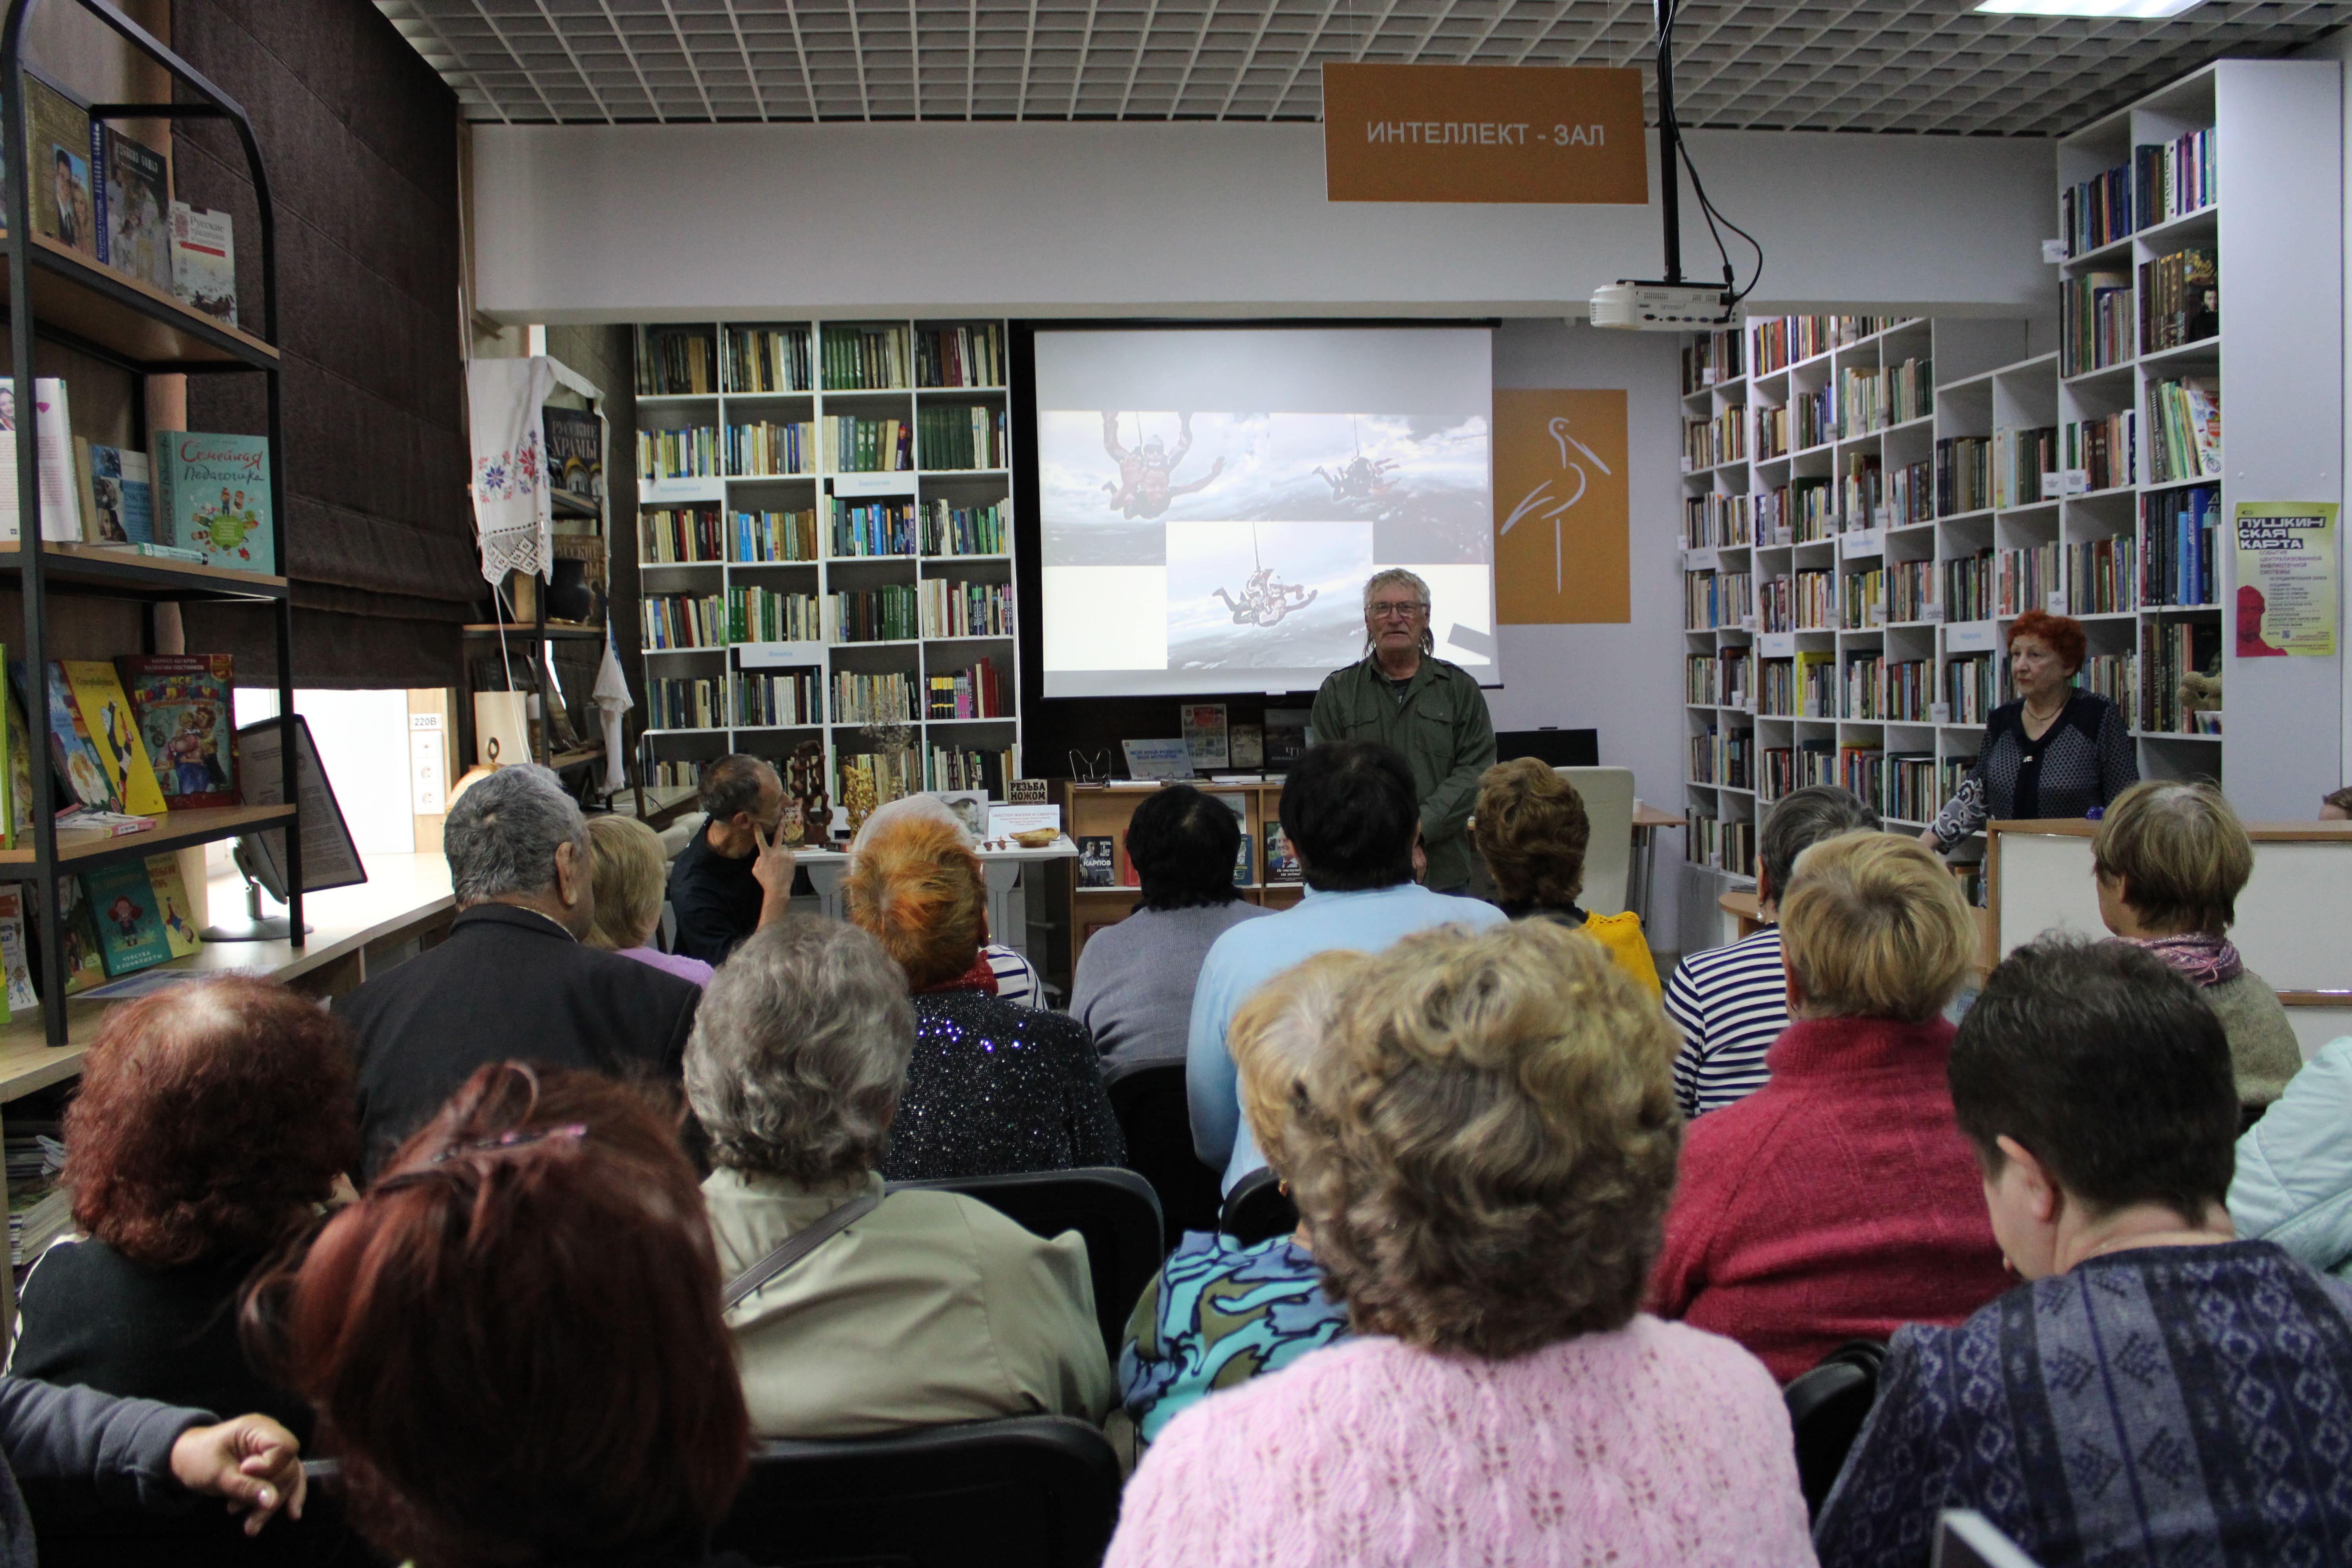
{"x": 1429, "y": 709}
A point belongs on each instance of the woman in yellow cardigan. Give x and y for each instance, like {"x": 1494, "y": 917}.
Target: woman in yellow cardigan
{"x": 1532, "y": 830}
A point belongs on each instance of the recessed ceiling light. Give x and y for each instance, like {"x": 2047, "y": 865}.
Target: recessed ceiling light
{"x": 2105, "y": 10}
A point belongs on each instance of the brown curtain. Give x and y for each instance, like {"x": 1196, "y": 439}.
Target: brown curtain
{"x": 359, "y": 138}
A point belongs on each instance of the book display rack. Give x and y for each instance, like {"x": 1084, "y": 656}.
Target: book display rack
{"x": 825, "y": 546}
{"x": 60, "y": 296}
{"x": 1854, "y": 548}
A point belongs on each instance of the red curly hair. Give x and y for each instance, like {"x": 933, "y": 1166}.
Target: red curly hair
{"x": 917, "y": 887}
{"x": 211, "y": 1117}
{"x": 2062, "y": 635}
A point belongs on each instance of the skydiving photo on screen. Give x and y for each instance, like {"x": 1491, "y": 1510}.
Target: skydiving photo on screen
{"x": 1112, "y": 481}
{"x": 1266, "y": 596}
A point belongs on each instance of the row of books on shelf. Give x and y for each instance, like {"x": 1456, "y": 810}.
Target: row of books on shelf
{"x": 1710, "y": 358}
{"x": 738, "y": 698}
{"x": 2170, "y": 650}
{"x": 2177, "y": 561}
{"x": 1777, "y": 342}
{"x": 881, "y": 697}
{"x": 134, "y": 738}
{"x": 765, "y": 448}
{"x": 671, "y": 621}
{"x": 2179, "y": 299}
{"x": 112, "y": 922}
{"x": 1719, "y": 677}
{"x": 2097, "y": 321}
{"x": 1723, "y": 439}
{"x": 2024, "y": 465}
{"x": 2105, "y": 452}
{"x": 974, "y": 693}
{"x": 687, "y": 536}
{"x": 1725, "y": 844}
{"x": 1102, "y": 862}
{"x": 962, "y": 435}
{"x": 953, "y": 440}
{"x": 2104, "y": 318}
{"x": 2163, "y": 180}
{"x": 1715, "y": 520}
{"x": 1723, "y": 757}
{"x": 196, "y": 497}
{"x": 952, "y": 609}
{"x": 104, "y": 193}
{"x": 2185, "y": 430}
{"x": 678, "y": 361}
{"x": 40, "y": 1209}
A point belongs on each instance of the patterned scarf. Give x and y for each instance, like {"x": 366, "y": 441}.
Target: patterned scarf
{"x": 2203, "y": 958}
{"x": 980, "y": 977}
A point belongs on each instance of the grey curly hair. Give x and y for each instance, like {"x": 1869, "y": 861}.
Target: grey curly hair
{"x": 799, "y": 1052}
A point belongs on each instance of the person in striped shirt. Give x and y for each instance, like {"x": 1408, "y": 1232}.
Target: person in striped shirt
{"x": 1731, "y": 1002}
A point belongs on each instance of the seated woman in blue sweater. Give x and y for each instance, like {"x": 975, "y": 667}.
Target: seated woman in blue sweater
{"x": 2157, "y": 1392}
{"x": 1220, "y": 1313}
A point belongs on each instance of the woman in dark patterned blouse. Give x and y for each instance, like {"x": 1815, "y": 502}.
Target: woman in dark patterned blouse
{"x": 993, "y": 1087}
{"x": 2057, "y": 751}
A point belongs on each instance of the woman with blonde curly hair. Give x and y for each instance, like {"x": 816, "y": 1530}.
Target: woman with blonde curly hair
{"x": 992, "y": 1086}
{"x": 1484, "y": 1147}
{"x": 1532, "y": 832}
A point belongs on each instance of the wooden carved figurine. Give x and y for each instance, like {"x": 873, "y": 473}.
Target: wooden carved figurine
{"x": 816, "y": 807}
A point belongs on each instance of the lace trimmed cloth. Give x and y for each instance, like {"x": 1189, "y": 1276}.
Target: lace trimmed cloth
{"x": 512, "y": 515}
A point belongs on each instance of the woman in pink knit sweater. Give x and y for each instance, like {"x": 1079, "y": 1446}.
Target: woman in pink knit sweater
{"x": 1482, "y": 1153}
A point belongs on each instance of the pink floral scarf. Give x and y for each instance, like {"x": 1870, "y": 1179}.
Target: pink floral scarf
{"x": 2202, "y": 958}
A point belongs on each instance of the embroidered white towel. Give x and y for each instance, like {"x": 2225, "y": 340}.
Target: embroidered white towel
{"x": 512, "y": 511}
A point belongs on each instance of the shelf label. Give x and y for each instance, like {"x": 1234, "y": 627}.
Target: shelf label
{"x": 1703, "y": 559}
{"x": 1777, "y": 645}
{"x": 770, "y": 655}
{"x": 2073, "y": 481}
{"x": 1932, "y": 610}
{"x": 1863, "y": 541}
{"x": 681, "y": 489}
{"x": 1971, "y": 636}
{"x": 2054, "y": 251}
{"x": 1939, "y": 712}
{"x": 901, "y": 483}
{"x": 2054, "y": 602}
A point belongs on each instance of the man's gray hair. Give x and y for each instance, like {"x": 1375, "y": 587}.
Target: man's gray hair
{"x": 1803, "y": 818}
{"x": 799, "y": 1052}
{"x": 502, "y": 835}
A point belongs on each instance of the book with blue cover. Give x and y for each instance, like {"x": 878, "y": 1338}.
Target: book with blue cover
{"x": 211, "y": 493}
{"x": 128, "y": 917}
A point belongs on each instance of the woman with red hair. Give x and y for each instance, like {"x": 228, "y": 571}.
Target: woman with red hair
{"x": 2057, "y": 751}
{"x": 513, "y": 1340}
{"x": 992, "y": 1086}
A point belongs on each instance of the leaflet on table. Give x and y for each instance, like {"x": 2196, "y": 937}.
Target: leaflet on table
{"x": 1004, "y": 820}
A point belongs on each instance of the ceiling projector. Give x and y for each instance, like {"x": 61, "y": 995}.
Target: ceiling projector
{"x": 1661, "y": 306}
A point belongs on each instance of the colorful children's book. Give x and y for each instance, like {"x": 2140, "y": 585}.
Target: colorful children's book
{"x": 12, "y": 949}
{"x": 211, "y": 493}
{"x": 172, "y": 905}
{"x": 181, "y": 701}
{"x": 106, "y": 714}
{"x": 130, "y": 924}
{"x": 80, "y": 775}
{"x": 85, "y": 963}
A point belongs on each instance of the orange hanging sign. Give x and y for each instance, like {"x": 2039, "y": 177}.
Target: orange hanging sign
{"x": 1483, "y": 134}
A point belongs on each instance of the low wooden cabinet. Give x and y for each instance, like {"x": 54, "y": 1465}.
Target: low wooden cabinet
{"x": 1103, "y": 811}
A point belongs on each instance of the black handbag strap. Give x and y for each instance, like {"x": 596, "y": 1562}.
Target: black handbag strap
{"x": 796, "y": 1247}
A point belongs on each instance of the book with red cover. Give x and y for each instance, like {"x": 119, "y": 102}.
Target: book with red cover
{"x": 183, "y": 705}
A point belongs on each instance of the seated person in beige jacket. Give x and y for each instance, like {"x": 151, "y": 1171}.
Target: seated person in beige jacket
{"x": 932, "y": 1307}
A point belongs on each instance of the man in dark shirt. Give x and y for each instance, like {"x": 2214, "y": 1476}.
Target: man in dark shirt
{"x": 514, "y": 980}
{"x": 719, "y": 885}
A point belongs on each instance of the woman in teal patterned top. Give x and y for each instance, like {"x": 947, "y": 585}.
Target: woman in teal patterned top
{"x": 1220, "y": 1313}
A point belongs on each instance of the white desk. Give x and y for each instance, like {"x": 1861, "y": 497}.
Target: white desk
{"x": 1008, "y": 917}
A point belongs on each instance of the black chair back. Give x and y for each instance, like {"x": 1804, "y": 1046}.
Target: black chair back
{"x": 1258, "y": 1209}
{"x": 1038, "y": 1491}
{"x": 1148, "y": 1098}
{"x": 1826, "y": 1408}
{"x": 1114, "y": 1209}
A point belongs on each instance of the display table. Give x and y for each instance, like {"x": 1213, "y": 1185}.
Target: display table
{"x": 2294, "y": 927}
{"x": 1008, "y": 919}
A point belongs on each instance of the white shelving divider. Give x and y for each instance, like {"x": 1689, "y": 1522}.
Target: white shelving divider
{"x": 823, "y": 488}
{"x": 2275, "y": 227}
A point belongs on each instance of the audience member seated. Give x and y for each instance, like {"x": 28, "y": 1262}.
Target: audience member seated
{"x": 930, "y": 1308}
{"x": 1732, "y": 1002}
{"x": 1133, "y": 990}
{"x": 1017, "y": 980}
{"x": 1484, "y": 1147}
{"x": 515, "y": 1336}
{"x": 735, "y": 871}
{"x": 514, "y": 978}
{"x": 1839, "y": 1201}
{"x": 2157, "y": 1393}
{"x": 1220, "y": 1313}
{"x": 212, "y": 1121}
{"x": 1532, "y": 832}
{"x": 2293, "y": 1180}
{"x": 1349, "y": 812}
{"x": 626, "y": 876}
{"x": 992, "y": 1086}
{"x": 2171, "y": 859}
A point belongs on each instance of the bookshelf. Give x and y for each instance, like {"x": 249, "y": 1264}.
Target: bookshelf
{"x": 2047, "y": 492}
{"x": 59, "y": 297}
{"x": 797, "y": 582}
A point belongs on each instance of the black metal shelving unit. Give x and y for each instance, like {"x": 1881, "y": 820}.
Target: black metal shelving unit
{"x": 57, "y": 294}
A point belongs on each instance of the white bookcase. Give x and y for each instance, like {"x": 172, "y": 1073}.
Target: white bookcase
{"x": 831, "y": 480}
{"x": 2274, "y": 226}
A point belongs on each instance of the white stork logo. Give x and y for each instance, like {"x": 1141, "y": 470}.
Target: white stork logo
{"x": 1540, "y": 495}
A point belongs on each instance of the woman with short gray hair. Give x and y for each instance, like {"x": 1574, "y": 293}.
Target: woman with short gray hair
{"x": 906, "y": 1309}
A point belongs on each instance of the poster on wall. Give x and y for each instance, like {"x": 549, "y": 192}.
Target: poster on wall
{"x": 1562, "y": 509}
{"x": 2288, "y": 583}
